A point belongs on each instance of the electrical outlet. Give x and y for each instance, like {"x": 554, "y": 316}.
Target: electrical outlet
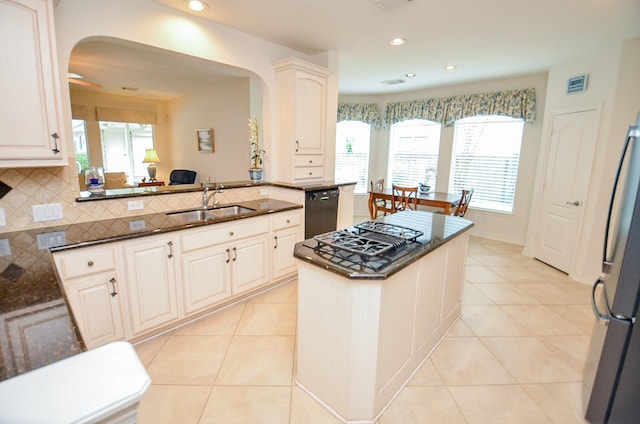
{"x": 5, "y": 247}
{"x": 49, "y": 212}
{"x": 51, "y": 239}
{"x": 139, "y": 224}
{"x": 136, "y": 205}
{"x": 3, "y": 218}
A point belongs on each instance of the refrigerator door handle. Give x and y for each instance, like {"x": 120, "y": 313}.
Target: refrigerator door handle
{"x": 596, "y": 311}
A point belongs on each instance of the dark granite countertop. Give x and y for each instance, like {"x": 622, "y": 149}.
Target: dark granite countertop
{"x": 28, "y": 280}
{"x": 86, "y": 196}
{"x": 437, "y": 229}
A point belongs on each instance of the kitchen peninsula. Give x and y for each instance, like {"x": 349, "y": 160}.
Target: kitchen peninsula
{"x": 373, "y": 302}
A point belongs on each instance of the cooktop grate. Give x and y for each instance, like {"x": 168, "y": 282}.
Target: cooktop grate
{"x": 390, "y": 230}
{"x": 354, "y": 243}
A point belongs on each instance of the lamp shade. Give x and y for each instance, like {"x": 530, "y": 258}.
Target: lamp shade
{"x": 151, "y": 156}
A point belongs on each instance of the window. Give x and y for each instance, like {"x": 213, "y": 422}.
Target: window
{"x": 486, "y": 154}
{"x": 352, "y": 153}
{"x": 80, "y": 143}
{"x": 413, "y": 153}
{"x": 123, "y": 147}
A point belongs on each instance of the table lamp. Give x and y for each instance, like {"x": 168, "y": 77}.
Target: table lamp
{"x": 151, "y": 157}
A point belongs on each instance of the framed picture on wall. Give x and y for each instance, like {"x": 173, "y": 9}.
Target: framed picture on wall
{"x": 205, "y": 140}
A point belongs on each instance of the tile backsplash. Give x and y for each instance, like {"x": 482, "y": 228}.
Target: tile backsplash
{"x": 38, "y": 186}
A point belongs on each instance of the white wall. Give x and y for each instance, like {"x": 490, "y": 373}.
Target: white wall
{"x": 224, "y": 109}
{"x": 510, "y": 228}
{"x": 613, "y": 84}
{"x": 150, "y": 23}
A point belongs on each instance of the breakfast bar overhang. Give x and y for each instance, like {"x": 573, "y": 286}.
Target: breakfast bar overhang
{"x": 367, "y": 321}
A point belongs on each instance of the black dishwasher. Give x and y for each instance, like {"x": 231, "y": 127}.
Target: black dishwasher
{"x": 320, "y": 212}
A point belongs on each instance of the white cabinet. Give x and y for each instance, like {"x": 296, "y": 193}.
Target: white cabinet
{"x": 301, "y": 97}
{"x": 96, "y": 307}
{"x": 223, "y": 260}
{"x": 205, "y": 278}
{"x": 286, "y": 232}
{"x": 92, "y": 281}
{"x": 31, "y": 124}
{"x": 151, "y": 282}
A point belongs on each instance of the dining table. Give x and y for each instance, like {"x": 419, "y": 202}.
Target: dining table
{"x": 437, "y": 199}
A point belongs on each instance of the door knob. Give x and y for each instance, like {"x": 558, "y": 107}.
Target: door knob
{"x": 574, "y": 203}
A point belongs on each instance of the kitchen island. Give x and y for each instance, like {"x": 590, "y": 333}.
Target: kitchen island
{"x": 368, "y": 314}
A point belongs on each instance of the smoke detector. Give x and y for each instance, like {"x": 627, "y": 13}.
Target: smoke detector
{"x": 390, "y": 4}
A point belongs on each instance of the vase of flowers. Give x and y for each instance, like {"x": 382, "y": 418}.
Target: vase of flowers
{"x": 255, "y": 171}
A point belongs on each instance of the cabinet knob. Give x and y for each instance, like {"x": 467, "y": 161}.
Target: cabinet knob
{"x": 310, "y": 161}
{"x": 231, "y": 233}
{"x": 288, "y": 221}
{"x": 90, "y": 263}
{"x": 310, "y": 173}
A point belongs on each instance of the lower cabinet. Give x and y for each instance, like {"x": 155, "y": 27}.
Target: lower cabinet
{"x": 151, "y": 282}
{"x": 128, "y": 289}
{"x": 92, "y": 281}
{"x": 286, "y": 232}
{"x": 95, "y": 302}
{"x": 205, "y": 278}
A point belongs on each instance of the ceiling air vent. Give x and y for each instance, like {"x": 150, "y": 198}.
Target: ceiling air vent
{"x": 393, "y": 81}
{"x": 390, "y": 4}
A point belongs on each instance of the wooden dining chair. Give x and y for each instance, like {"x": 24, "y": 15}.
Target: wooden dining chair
{"x": 461, "y": 209}
{"x": 380, "y": 205}
{"x": 404, "y": 198}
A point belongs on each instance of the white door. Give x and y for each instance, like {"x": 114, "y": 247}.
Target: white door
{"x": 567, "y": 176}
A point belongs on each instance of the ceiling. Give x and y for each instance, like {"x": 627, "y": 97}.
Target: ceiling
{"x": 485, "y": 39}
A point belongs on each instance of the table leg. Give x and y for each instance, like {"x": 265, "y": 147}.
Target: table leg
{"x": 371, "y": 200}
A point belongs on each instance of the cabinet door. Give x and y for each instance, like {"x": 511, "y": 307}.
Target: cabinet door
{"x": 311, "y": 93}
{"x": 30, "y": 110}
{"x": 205, "y": 278}
{"x": 249, "y": 263}
{"x": 95, "y": 302}
{"x": 151, "y": 283}
{"x": 283, "y": 243}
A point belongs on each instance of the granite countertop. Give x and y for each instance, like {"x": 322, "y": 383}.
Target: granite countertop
{"x": 437, "y": 229}
{"x": 28, "y": 280}
{"x": 86, "y": 196}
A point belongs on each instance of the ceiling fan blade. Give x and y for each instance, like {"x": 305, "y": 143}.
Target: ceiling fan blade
{"x": 83, "y": 82}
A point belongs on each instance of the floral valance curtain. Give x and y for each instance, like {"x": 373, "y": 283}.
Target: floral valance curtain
{"x": 369, "y": 113}
{"x": 446, "y": 110}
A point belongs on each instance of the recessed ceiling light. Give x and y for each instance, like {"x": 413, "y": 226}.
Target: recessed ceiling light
{"x": 450, "y": 67}
{"x": 197, "y": 5}
{"x": 410, "y": 75}
{"x": 397, "y": 41}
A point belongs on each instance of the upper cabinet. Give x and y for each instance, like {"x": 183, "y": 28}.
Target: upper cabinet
{"x": 31, "y": 129}
{"x": 301, "y": 97}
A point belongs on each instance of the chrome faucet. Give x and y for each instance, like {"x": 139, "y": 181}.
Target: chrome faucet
{"x": 206, "y": 196}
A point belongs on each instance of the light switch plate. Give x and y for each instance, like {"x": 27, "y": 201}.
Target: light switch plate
{"x": 49, "y": 212}
{"x": 3, "y": 218}
{"x": 51, "y": 239}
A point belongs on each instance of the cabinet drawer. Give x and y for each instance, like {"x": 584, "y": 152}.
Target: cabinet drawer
{"x": 308, "y": 160}
{"x": 222, "y": 233}
{"x": 285, "y": 220}
{"x": 311, "y": 172}
{"x": 86, "y": 261}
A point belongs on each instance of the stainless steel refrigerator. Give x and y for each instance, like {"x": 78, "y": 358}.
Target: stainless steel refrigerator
{"x": 611, "y": 388}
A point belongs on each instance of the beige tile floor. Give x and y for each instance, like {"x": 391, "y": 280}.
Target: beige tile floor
{"x": 516, "y": 356}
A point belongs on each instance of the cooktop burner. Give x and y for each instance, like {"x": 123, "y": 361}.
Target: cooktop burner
{"x": 371, "y": 245}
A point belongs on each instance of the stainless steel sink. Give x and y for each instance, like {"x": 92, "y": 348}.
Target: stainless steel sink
{"x": 196, "y": 215}
{"x": 230, "y": 210}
